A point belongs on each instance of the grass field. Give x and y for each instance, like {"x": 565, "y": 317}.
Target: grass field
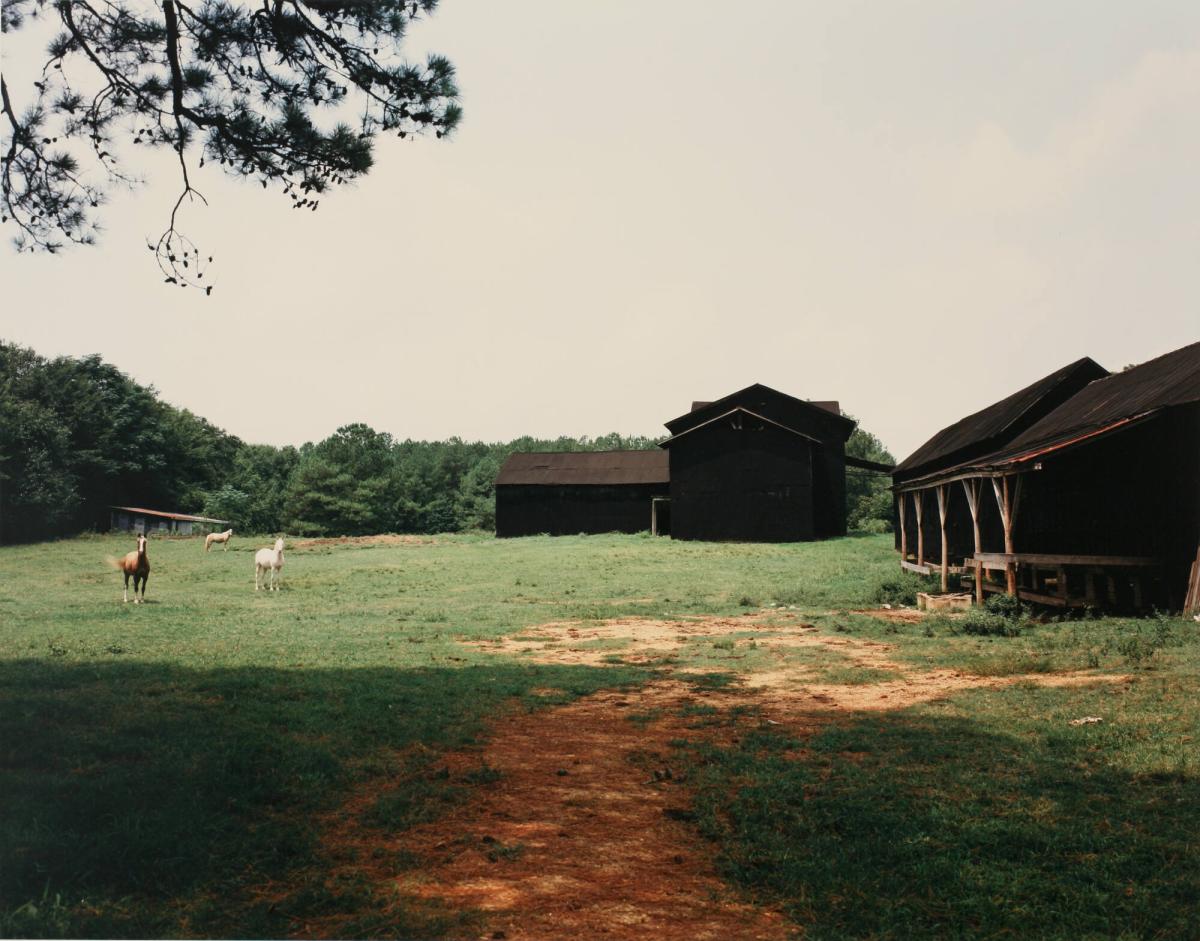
{"x": 164, "y": 768}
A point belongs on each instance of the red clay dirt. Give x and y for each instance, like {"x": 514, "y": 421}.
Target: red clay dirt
{"x": 585, "y": 834}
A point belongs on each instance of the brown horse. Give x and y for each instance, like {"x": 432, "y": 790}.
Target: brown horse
{"x": 137, "y": 565}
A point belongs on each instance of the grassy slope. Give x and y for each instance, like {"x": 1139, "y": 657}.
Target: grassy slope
{"x": 157, "y": 762}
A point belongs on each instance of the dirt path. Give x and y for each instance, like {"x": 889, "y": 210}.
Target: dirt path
{"x": 585, "y": 831}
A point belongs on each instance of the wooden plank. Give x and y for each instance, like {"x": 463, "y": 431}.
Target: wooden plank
{"x": 1191, "y": 604}
{"x": 915, "y": 567}
{"x": 1027, "y": 595}
{"x": 1055, "y": 559}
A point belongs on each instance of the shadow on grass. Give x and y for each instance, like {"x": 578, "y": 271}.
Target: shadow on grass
{"x": 909, "y": 825}
{"x": 146, "y": 800}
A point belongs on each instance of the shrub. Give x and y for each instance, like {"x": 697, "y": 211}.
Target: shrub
{"x": 1006, "y": 606}
{"x": 989, "y": 624}
{"x": 903, "y": 588}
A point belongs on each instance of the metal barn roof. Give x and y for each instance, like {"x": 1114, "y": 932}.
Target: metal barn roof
{"x": 1105, "y": 406}
{"x": 987, "y": 424}
{"x": 586, "y": 468}
{"x": 170, "y": 516}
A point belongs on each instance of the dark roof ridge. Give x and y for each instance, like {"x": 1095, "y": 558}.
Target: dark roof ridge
{"x": 723, "y": 400}
{"x": 973, "y": 429}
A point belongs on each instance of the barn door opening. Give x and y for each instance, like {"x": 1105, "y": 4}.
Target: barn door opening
{"x": 660, "y": 516}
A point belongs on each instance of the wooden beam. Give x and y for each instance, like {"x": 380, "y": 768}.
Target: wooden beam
{"x": 1055, "y": 559}
{"x": 1191, "y": 601}
{"x": 918, "y": 504}
{"x": 902, "y": 500}
{"x": 1004, "y": 497}
{"x": 971, "y": 486}
{"x": 914, "y": 567}
{"x": 943, "y": 499}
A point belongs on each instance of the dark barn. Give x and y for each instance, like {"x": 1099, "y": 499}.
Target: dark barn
{"x": 755, "y": 466}
{"x": 566, "y": 492}
{"x": 758, "y": 466}
{"x": 1097, "y": 501}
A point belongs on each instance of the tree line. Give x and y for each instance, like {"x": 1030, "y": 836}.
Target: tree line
{"x": 78, "y": 436}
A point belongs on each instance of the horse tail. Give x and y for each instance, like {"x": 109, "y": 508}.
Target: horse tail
{"x": 112, "y": 562}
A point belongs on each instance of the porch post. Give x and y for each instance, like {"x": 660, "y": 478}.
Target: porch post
{"x": 971, "y": 486}
{"x": 942, "y": 495}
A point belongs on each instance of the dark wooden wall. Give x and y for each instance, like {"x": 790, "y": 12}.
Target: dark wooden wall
{"x": 752, "y": 484}
{"x": 1132, "y": 493}
{"x": 527, "y": 510}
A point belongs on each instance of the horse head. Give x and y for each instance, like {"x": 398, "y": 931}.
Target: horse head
{"x": 279, "y": 544}
{"x": 141, "y": 544}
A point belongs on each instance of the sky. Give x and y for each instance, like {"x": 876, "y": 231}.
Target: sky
{"x": 915, "y": 207}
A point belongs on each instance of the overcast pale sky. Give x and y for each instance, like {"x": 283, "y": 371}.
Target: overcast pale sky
{"x": 912, "y": 206}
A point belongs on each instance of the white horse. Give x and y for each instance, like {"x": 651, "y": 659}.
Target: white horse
{"x": 222, "y": 538}
{"x": 272, "y": 559}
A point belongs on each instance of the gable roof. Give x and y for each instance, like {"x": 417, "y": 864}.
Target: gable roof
{"x": 765, "y": 401}
{"x": 738, "y": 411}
{"x": 994, "y": 426}
{"x": 586, "y": 468}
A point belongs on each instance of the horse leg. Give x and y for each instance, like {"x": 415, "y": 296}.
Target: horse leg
{"x": 257, "y": 572}
{"x": 145, "y": 578}
{"x": 126, "y": 574}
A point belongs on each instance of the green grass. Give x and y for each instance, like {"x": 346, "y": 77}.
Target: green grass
{"x": 985, "y": 817}
{"x": 160, "y": 761}
{"x": 161, "y": 764}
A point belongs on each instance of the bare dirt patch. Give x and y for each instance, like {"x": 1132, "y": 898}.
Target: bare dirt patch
{"x": 646, "y": 640}
{"x": 580, "y": 827}
{"x": 390, "y": 539}
{"x": 584, "y": 834}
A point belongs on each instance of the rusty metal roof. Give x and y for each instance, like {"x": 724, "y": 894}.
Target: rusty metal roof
{"x": 1106, "y": 406}
{"x": 170, "y": 516}
{"x": 985, "y": 430}
{"x": 585, "y": 468}
{"x": 1170, "y": 379}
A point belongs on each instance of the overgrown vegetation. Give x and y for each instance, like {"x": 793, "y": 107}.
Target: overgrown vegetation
{"x": 77, "y": 435}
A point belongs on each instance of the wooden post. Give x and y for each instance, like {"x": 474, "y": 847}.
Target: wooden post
{"x": 918, "y": 505}
{"x": 971, "y": 486}
{"x": 942, "y": 495}
{"x": 903, "y": 499}
{"x": 1008, "y": 497}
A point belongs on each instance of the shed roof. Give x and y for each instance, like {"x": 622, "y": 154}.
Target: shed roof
{"x": 1170, "y": 379}
{"x": 1104, "y": 407}
{"x": 585, "y": 468}
{"x": 170, "y": 516}
{"x": 983, "y": 428}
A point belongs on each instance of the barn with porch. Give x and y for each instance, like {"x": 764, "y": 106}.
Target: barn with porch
{"x": 1081, "y": 489}
{"x": 756, "y": 466}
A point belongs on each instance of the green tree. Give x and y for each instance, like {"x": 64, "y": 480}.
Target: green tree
{"x": 868, "y": 494}
{"x": 288, "y": 93}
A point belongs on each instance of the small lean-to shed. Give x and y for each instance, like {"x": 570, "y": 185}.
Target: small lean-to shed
{"x": 140, "y": 520}
{"x": 758, "y": 466}
{"x": 567, "y": 492}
